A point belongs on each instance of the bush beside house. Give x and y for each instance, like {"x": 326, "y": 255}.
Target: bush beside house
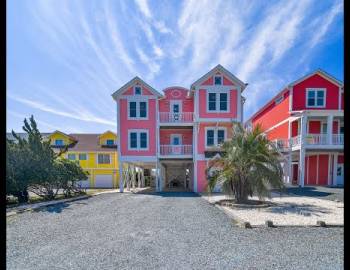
{"x": 32, "y": 165}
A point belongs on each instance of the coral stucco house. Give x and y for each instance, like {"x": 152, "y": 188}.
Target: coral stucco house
{"x": 175, "y": 133}
{"x": 306, "y": 120}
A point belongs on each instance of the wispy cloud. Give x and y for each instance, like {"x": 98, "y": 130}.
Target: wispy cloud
{"x": 87, "y": 117}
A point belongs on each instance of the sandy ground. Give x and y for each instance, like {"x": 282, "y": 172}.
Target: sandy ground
{"x": 290, "y": 210}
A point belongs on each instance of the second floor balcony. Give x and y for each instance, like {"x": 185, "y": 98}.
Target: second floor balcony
{"x": 176, "y": 118}
{"x": 312, "y": 141}
{"x": 168, "y": 150}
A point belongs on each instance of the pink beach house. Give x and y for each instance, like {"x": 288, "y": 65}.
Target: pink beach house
{"x": 176, "y": 132}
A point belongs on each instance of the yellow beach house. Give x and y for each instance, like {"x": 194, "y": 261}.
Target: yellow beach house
{"x": 96, "y": 153}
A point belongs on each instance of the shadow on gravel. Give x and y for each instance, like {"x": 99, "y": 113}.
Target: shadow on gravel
{"x": 303, "y": 210}
{"x": 170, "y": 194}
{"x": 59, "y": 207}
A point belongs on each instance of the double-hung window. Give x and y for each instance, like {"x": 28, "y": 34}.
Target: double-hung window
{"x": 217, "y": 102}
{"x": 71, "y": 156}
{"x": 315, "y": 98}
{"x": 103, "y": 159}
{"x": 215, "y": 136}
{"x": 82, "y": 156}
{"x": 137, "y": 109}
{"x": 138, "y": 140}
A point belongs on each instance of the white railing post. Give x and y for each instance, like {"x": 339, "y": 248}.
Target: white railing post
{"x": 329, "y": 128}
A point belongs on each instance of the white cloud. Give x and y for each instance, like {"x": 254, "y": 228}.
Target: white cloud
{"x": 143, "y": 6}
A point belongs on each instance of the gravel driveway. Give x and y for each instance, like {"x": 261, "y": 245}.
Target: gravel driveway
{"x": 165, "y": 231}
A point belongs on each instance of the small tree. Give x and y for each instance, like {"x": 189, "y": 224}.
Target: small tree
{"x": 249, "y": 164}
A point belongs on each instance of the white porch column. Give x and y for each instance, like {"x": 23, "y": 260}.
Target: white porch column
{"x": 133, "y": 171}
{"x": 142, "y": 177}
{"x": 128, "y": 179}
{"x": 329, "y": 129}
{"x": 139, "y": 178}
{"x": 289, "y": 164}
{"x": 302, "y": 150}
{"x": 121, "y": 177}
{"x": 335, "y": 164}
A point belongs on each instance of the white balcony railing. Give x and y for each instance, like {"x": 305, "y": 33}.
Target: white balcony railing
{"x": 338, "y": 139}
{"x": 175, "y": 150}
{"x": 316, "y": 139}
{"x": 183, "y": 117}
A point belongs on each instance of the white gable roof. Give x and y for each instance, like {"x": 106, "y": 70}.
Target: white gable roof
{"x": 135, "y": 80}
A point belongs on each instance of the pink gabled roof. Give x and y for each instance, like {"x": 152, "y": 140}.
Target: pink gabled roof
{"x": 136, "y": 79}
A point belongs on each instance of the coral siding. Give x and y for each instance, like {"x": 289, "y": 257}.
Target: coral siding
{"x": 314, "y": 127}
{"x": 312, "y": 173}
{"x": 335, "y": 127}
{"x": 341, "y": 159}
{"x": 201, "y": 134}
{"x": 187, "y": 103}
{"x": 323, "y": 170}
{"x": 278, "y": 132}
{"x": 209, "y": 81}
{"x": 130, "y": 91}
{"x": 149, "y": 124}
{"x": 201, "y": 176}
{"x": 273, "y": 114}
{"x": 227, "y": 81}
{"x": 315, "y": 81}
{"x": 294, "y": 128}
{"x": 165, "y": 136}
{"x": 203, "y": 106}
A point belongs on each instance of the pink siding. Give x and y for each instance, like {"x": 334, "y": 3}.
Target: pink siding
{"x": 203, "y": 106}
{"x": 209, "y": 81}
{"x": 323, "y": 170}
{"x": 201, "y": 134}
{"x": 312, "y": 173}
{"x": 227, "y": 81}
{"x": 315, "y": 81}
{"x": 341, "y": 159}
{"x": 294, "y": 128}
{"x": 201, "y": 176}
{"x": 149, "y": 124}
{"x": 165, "y": 136}
{"x": 314, "y": 127}
{"x": 130, "y": 91}
{"x": 176, "y": 93}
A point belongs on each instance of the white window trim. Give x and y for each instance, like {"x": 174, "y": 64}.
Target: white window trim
{"x": 172, "y": 136}
{"x": 222, "y": 79}
{"x": 316, "y": 90}
{"x": 138, "y": 109}
{"x": 110, "y": 159}
{"x": 218, "y": 92}
{"x": 172, "y": 102}
{"x": 215, "y": 129}
{"x": 138, "y": 137}
{"x": 135, "y": 90}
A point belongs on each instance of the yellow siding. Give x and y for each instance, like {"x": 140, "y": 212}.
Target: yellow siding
{"x": 107, "y": 136}
{"x": 59, "y": 136}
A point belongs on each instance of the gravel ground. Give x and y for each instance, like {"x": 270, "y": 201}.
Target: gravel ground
{"x": 289, "y": 210}
{"x": 165, "y": 231}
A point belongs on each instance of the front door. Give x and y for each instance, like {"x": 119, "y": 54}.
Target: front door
{"x": 340, "y": 174}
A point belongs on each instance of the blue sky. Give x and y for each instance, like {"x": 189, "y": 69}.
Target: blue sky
{"x": 66, "y": 58}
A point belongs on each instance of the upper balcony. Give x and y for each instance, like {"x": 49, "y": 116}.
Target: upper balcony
{"x": 176, "y": 119}
{"x": 311, "y": 141}
{"x": 176, "y": 151}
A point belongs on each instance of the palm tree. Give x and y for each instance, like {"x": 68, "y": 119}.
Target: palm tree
{"x": 249, "y": 165}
